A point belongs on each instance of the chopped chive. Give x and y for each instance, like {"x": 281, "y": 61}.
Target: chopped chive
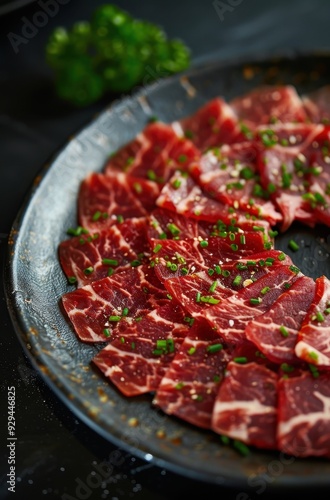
{"x": 138, "y": 188}
{"x": 218, "y": 269}
{"x": 173, "y": 267}
{"x": 76, "y": 231}
{"x": 213, "y": 286}
{"x": 96, "y": 216}
{"x": 241, "y": 447}
{"x": 240, "y": 359}
{"x": 179, "y": 385}
{"x": 184, "y": 271}
{"x": 293, "y": 245}
{"x": 214, "y": 348}
{"x": 135, "y": 263}
{"x": 242, "y": 239}
{"x": 281, "y": 256}
{"x": 209, "y": 300}
{"x": 225, "y": 439}
{"x": 210, "y": 272}
{"x": 313, "y": 355}
{"x": 283, "y": 331}
{"x": 237, "y": 280}
{"x": 191, "y": 351}
{"x": 120, "y": 218}
{"x": 198, "y": 297}
{"x": 72, "y": 280}
{"x": 255, "y": 301}
{"x": 314, "y": 370}
{"x": 272, "y": 233}
{"x": 319, "y": 317}
{"x": 265, "y": 290}
{"x": 176, "y": 183}
{"x": 182, "y": 158}
{"x": 125, "y": 311}
{"x": 234, "y": 247}
{"x": 110, "y": 271}
{"x": 204, "y": 243}
{"x": 106, "y": 332}
{"x": 151, "y": 175}
{"x": 88, "y": 270}
{"x": 110, "y": 262}
{"x": 285, "y": 367}
{"x": 114, "y": 318}
{"x": 173, "y": 229}
{"x": 294, "y": 269}
{"x": 225, "y": 273}
{"x": 157, "y": 248}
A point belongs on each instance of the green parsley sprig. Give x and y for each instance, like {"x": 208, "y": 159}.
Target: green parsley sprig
{"x": 112, "y": 52}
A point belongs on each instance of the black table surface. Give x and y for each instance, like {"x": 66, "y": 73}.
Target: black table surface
{"x": 57, "y": 455}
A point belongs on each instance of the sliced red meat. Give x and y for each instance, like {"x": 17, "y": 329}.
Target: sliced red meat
{"x": 191, "y": 383}
{"x": 232, "y": 314}
{"x": 246, "y": 404}
{"x": 317, "y": 105}
{"x": 154, "y": 154}
{"x": 268, "y": 104}
{"x": 96, "y": 309}
{"x": 303, "y": 415}
{"x": 166, "y": 224}
{"x": 88, "y": 258}
{"x": 137, "y": 359}
{"x": 199, "y": 290}
{"x": 275, "y": 332}
{"x": 184, "y": 196}
{"x": 313, "y": 343}
{"x": 212, "y": 125}
{"x": 181, "y": 257}
{"x": 318, "y": 195}
{"x": 105, "y": 200}
{"x": 230, "y": 175}
{"x": 285, "y": 153}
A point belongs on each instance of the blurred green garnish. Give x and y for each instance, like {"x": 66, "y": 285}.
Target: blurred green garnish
{"x": 111, "y": 53}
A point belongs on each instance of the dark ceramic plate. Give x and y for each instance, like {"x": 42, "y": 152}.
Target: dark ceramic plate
{"x": 35, "y": 281}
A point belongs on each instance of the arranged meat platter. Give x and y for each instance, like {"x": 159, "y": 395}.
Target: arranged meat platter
{"x": 171, "y": 273}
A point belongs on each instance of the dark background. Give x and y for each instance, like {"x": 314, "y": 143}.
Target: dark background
{"x": 55, "y": 450}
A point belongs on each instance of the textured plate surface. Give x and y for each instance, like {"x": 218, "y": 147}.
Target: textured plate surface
{"x": 35, "y": 282}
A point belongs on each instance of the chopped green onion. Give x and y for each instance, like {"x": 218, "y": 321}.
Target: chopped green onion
{"x": 284, "y": 332}
{"x": 240, "y": 359}
{"x": 293, "y": 245}
{"x": 88, "y": 270}
{"x": 157, "y": 248}
{"x": 106, "y": 332}
{"x": 110, "y": 262}
{"x": 237, "y": 280}
{"x": 114, "y": 318}
{"x": 214, "y": 348}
